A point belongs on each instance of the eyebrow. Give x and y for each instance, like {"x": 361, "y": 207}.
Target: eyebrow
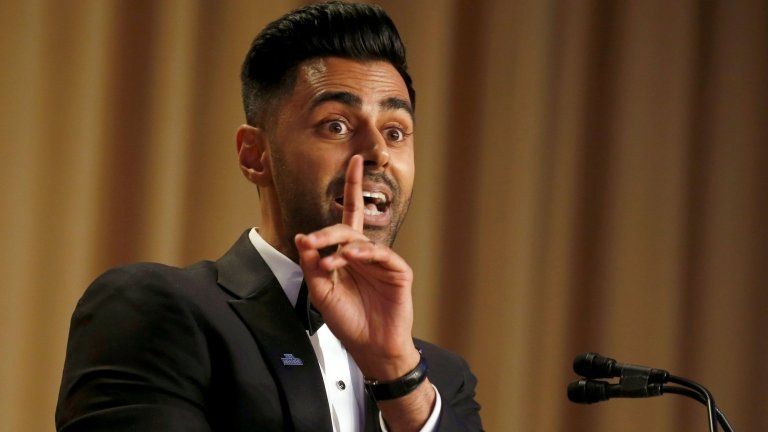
{"x": 395, "y": 103}
{"x": 345, "y": 98}
{"x": 354, "y": 101}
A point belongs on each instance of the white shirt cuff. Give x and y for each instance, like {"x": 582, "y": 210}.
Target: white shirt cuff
{"x": 431, "y": 423}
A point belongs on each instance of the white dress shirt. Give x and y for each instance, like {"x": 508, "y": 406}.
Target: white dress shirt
{"x": 343, "y": 379}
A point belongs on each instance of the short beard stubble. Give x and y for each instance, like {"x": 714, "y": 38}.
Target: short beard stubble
{"x": 303, "y": 211}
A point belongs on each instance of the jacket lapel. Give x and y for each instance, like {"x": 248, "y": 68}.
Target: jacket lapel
{"x": 265, "y": 310}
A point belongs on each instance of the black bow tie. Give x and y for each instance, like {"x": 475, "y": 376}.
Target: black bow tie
{"x": 309, "y": 316}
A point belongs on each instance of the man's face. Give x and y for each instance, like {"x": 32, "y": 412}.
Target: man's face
{"x": 340, "y": 108}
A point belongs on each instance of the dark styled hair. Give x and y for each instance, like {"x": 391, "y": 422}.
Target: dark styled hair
{"x": 333, "y": 29}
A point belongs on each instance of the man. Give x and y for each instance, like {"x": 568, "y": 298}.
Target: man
{"x": 238, "y": 344}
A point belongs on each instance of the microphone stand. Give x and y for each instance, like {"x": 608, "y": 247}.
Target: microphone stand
{"x": 697, "y": 396}
{"x": 637, "y": 382}
{"x": 705, "y": 394}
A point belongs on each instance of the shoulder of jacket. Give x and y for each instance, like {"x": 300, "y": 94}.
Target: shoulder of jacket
{"x": 148, "y": 278}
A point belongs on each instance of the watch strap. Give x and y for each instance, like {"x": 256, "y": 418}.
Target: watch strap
{"x": 398, "y": 387}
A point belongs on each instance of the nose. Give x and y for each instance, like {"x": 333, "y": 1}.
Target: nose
{"x": 373, "y": 148}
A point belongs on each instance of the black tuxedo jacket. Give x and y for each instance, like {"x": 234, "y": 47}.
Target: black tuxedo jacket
{"x": 158, "y": 348}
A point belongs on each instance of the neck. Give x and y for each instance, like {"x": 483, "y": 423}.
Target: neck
{"x": 273, "y": 231}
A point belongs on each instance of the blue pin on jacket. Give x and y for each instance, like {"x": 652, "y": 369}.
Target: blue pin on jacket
{"x": 291, "y": 360}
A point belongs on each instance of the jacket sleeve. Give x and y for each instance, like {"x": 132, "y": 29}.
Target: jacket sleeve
{"x": 452, "y": 377}
{"x": 460, "y": 411}
{"x": 136, "y": 359}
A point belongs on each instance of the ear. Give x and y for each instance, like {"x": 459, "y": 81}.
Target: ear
{"x": 253, "y": 153}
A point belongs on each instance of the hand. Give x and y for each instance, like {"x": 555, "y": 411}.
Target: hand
{"x": 363, "y": 290}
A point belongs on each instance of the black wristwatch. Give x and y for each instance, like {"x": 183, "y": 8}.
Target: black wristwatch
{"x": 399, "y": 387}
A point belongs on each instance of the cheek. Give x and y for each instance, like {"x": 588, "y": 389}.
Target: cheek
{"x": 404, "y": 170}
{"x": 322, "y": 164}
{"x": 316, "y": 168}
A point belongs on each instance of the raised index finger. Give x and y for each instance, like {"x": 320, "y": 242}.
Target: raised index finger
{"x": 354, "y": 205}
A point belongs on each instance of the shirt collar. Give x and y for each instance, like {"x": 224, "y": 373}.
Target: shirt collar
{"x": 287, "y": 272}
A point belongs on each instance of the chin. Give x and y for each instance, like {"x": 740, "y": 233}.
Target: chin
{"x": 380, "y": 235}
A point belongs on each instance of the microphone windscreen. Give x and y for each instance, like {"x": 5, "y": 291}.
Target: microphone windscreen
{"x": 587, "y": 391}
{"x": 593, "y": 365}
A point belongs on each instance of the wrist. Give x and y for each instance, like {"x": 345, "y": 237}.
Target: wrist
{"x": 382, "y": 369}
{"x": 411, "y": 412}
{"x": 399, "y": 387}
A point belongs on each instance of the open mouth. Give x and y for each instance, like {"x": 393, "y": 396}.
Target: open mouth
{"x": 376, "y": 203}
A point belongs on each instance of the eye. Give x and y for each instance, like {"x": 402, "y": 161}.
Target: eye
{"x": 336, "y": 127}
{"x": 394, "y": 134}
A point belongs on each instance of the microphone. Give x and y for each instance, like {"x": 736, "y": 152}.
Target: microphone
{"x": 592, "y": 391}
{"x": 636, "y": 382}
{"x": 593, "y": 365}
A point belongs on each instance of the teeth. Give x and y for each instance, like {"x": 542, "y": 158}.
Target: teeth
{"x": 372, "y": 210}
{"x": 378, "y": 196}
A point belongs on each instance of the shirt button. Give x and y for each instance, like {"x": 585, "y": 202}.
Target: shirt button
{"x": 340, "y": 385}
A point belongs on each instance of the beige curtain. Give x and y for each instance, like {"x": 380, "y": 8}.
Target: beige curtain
{"x": 592, "y": 175}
